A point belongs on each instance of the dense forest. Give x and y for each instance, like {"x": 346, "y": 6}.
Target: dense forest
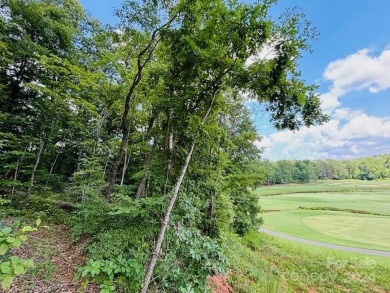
{"x": 285, "y": 171}
{"x": 139, "y": 135}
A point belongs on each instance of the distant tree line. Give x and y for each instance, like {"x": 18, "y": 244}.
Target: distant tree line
{"x": 301, "y": 171}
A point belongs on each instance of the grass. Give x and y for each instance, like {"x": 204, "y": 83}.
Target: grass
{"x": 340, "y": 228}
{"x": 325, "y": 186}
{"x": 284, "y": 213}
{"x": 262, "y": 263}
{"x": 377, "y": 202}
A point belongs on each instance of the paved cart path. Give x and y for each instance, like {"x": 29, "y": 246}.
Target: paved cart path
{"x": 326, "y": 245}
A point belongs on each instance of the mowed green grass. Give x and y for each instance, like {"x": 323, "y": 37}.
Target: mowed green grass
{"x": 325, "y": 186}
{"x": 282, "y": 212}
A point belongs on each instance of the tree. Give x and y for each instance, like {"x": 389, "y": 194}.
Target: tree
{"x": 49, "y": 90}
{"x": 147, "y": 17}
{"x": 159, "y": 99}
{"x": 210, "y": 48}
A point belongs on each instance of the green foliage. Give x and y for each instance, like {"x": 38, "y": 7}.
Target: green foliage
{"x": 47, "y": 92}
{"x": 44, "y": 206}
{"x": 116, "y": 259}
{"x": 188, "y": 258}
{"x": 224, "y": 213}
{"x": 87, "y": 182}
{"x": 369, "y": 168}
{"x": 262, "y": 263}
{"x": 11, "y": 265}
{"x": 249, "y": 271}
{"x": 79, "y": 102}
{"x": 122, "y": 233}
{"x": 127, "y": 273}
{"x": 246, "y": 211}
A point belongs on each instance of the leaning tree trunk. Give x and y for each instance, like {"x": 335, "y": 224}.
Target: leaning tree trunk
{"x": 213, "y": 86}
{"x": 125, "y": 166}
{"x": 106, "y": 164}
{"x": 52, "y": 166}
{"x": 141, "y": 187}
{"x": 172, "y": 201}
{"x": 164, "y": 225}
{"x": 15, "y": 176}
{"x": 17, "y": 169}
{"x": 35, "y": 167}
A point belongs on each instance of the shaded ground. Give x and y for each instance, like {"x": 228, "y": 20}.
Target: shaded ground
{"x": 326, "y": 245}
{"x": 56, "y": 259}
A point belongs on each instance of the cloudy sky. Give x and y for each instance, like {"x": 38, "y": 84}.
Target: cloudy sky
{"x": 351, "y": 65}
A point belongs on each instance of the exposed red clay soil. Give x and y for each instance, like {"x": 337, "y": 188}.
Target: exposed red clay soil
{"x": 219, "y": 284}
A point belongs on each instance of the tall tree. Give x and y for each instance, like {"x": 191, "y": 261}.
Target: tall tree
{"x": 49, "y": 89}
{"x": 210, "y": 50}
{"x": 153, "y": 17}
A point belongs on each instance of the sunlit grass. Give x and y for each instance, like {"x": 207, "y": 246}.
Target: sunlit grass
{"x": 284, "y": 213}
{"x": 263, "y": 263}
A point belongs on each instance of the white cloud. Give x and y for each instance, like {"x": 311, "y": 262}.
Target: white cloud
{"x": 330, "y": 140}
{"x": 350, "y": 132}
{"x": 359, "y": 71}
{"x": 329, "y": 102}
{"x": 364, "y": 126}
{"x": 345, "y": 114}
{"x": 267, "y": 52}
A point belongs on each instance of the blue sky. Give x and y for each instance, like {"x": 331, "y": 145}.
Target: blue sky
{"x": 351, "y": 65}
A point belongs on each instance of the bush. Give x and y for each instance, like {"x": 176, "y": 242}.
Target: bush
{"x": 12, "y": 265}
{"x": 246, "y": 209}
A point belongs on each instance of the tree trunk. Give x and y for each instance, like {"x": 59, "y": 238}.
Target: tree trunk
{"x": 168, "y": 169}
{"x": 125, "y": 166}
{"x": 164, "y": 225}
{"x": 169, "y": 149}
{"x": 54, "y": 163}
{"x": 148, "y": 52}
{"x": 35, "y": 167}
{"x": 15, "y": 176}
{"x": 175, "y": 193}
{"x": 141, "y": 187}
{"x": 17, "y": 168}
{"x": 210, "y": 215}
{"x": 105, "y": 165}
{"x": 125, "y": 132}
{"x": 52, "y": 166}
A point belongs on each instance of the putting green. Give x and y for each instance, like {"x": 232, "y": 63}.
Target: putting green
{"x": 283, "y": 212}
{"x": 341, "y": 228}
{"x": 374, "y": 231}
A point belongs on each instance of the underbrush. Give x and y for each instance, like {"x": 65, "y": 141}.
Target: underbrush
{"x": 54, "y": 257}
{"x": 117, "y": 238}
{"x": 123, "y": 232}
{"x": 104, "y": 247}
